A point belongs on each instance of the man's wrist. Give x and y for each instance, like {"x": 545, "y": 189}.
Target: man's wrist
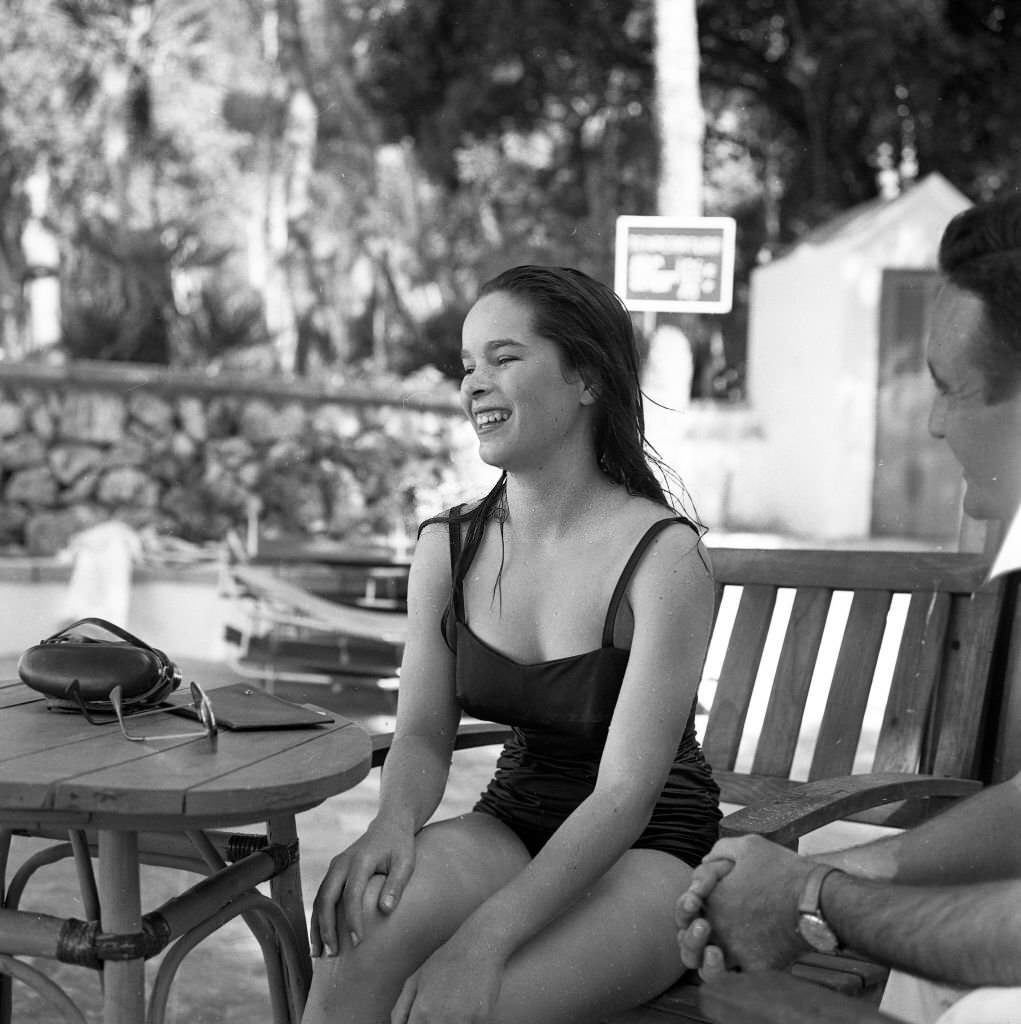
{"x": 814, "y": 927}
{"x": 874, "y": 862}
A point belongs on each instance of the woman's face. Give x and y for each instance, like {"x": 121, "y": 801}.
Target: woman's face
{"x": 522, "y": 399}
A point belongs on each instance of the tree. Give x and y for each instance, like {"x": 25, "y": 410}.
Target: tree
{"x": 799, "y": 96}
{"x": 138, "y": 160}
{"x": 356, "y": 167}
{"x": 536, "y": 124}
{"x": 809, "y": 90}
{"x": 667, "y": 374}
{"x": 681, "y": 120}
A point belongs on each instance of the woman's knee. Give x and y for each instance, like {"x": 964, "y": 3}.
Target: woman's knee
{"x": 365, "y": 977}
{"x": 459, "y": 863}
{"x": 475, "y": 854}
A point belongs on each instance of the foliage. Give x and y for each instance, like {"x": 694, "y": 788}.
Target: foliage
{"x": 440, "y": 344}
{"x": 118, "y": 102}
{"x": 223, "y": 319}
{"x": 535, "y": 120}
{"x": 808, "y": 94}
{"x": 361, "y": 165}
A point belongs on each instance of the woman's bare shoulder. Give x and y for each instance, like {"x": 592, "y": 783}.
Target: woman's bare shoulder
{"x": 431, "y": 558}
{"x": 643, "y": 513}
{"x": 676, "y": 545}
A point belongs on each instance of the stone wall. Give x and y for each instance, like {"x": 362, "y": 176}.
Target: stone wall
{"x": 191, "y": 456}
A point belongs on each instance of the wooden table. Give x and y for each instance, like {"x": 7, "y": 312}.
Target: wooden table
{"x": 58, "y": 772}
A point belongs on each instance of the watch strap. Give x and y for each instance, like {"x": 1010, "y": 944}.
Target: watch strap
{"x": 812, "y": 889}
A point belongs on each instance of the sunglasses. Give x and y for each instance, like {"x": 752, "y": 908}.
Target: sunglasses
{"x": 201, "y": 706}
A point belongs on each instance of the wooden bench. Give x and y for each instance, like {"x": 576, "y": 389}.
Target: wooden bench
{"x": 774, "y": 997}
{"x": 855, "y": 685}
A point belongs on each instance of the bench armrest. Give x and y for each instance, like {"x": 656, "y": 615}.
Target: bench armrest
{"x": 810, "y": 805}
{"x": 798, "y": 811}
{"x": 469, "y": 734}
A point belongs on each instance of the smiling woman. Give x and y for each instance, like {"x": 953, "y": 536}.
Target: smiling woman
{"x": 572, "y": 603}
{"x": 517, "y": 390}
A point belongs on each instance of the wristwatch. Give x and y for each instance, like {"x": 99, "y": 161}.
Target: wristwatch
{"x": 812, "y": 926}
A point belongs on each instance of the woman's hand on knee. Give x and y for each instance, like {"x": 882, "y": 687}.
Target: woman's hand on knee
{"x": 325, "y": 908}
{"x": 340, "y": 903}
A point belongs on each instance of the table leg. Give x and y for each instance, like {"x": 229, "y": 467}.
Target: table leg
{"x": 6, "y": 835}
{"x": 285, "y": 887}
{"x": 285, "y": 890}
{"x": 121, "y": 913}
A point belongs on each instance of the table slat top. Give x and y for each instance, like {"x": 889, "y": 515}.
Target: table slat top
{"x": 58, "y": 765}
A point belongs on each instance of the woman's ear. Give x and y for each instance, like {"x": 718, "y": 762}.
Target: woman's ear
{"x": 590, "y": 394}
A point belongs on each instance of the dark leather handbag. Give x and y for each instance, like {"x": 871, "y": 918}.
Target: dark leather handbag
{"x": 98, "y": 655}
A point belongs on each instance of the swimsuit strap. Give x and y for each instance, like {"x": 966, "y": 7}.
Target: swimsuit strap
{"x": 625, "y": 577}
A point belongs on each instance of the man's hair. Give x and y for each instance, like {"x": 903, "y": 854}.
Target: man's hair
{"x": 981, "y": 253}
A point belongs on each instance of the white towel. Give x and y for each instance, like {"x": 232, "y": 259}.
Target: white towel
{"x": 100, "y": 583}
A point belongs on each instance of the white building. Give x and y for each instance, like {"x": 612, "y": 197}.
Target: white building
{"x": 833, "y": 443}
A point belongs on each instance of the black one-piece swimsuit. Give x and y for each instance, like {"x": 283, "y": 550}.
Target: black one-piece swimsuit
{"x": 560, "y": 713}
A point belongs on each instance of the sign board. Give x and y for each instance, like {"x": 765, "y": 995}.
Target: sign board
{"x": 675, "y": 264}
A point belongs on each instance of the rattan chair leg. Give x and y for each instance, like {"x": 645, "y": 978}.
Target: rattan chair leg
{"x": 86, "y": 876}
{"x": 50, "y": 855}
{"x": 49, "y": 990}
{"x": 280, "y": 954}
{"x": 6, "y": 836}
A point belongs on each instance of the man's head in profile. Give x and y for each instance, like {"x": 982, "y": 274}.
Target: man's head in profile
{"x": 975, "y": 355}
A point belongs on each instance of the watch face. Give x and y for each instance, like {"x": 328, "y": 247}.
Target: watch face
{"x": 817, "y": 933}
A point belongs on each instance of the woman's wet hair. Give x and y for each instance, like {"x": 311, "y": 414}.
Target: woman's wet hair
{"x": 980, "y": 252}
{"x": 594, "y": 332}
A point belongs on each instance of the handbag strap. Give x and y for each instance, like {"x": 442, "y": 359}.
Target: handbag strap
{"x": 104, "y": 624}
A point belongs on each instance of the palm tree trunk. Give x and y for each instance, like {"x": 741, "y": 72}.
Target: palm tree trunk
{"x": 667, "y": 374}
{"x": 679, "y": 109}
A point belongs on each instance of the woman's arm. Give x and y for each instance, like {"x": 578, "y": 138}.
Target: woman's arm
{"x": 416, "y": 769}
{"x": 672, "y": 599}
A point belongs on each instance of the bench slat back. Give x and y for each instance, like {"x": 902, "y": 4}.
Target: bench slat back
{"x": 968, "y": 654}
{"x": 839, "y": 608}
{"x": 786, "y": 705}
{"x": 852, "y": 681}
{"x": 907, "y": 714}
{"x": 737, "y": 677}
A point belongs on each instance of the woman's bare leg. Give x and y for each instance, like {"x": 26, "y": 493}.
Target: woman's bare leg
{"x": 613, "y": 950}
{"x": 459, "y": 863}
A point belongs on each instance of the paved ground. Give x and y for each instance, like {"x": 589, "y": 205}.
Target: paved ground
{"x": 222, "y": 982}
